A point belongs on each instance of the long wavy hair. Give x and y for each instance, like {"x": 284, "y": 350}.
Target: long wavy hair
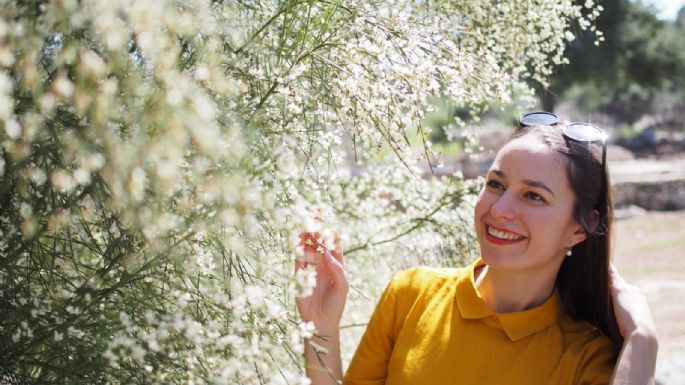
{"x": 583, "y": 280}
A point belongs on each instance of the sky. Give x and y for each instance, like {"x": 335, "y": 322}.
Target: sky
{"x": 666, "y": 9}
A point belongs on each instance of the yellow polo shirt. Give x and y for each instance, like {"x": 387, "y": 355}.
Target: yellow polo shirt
{"x": 432, "y": 327}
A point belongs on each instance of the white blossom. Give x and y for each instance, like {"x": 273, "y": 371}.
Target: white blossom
{"x": 166, "y": 156}
{"x": 306, "y": 280}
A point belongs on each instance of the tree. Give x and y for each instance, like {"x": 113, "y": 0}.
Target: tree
{"x": 637, "y": 57}
{"x": 160, "y": 158}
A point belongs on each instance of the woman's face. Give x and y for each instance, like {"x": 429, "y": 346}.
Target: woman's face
{"x": 524, "y": 214}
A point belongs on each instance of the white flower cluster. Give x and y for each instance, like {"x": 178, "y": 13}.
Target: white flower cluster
{"x": 159, "y": 160}
{"x": 306, "y": 280}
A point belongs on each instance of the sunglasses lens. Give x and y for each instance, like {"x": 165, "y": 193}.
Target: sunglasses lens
{"x": 584, "y": 132}
{"x": 538, "y": 119}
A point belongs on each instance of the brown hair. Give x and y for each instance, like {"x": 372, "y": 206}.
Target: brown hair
{"x": 583, "y": 279}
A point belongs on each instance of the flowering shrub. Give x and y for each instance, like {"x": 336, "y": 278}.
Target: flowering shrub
{"x": 160, "y": 158}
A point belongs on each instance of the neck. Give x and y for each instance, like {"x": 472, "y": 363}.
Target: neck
{"x": 507, "y": 291}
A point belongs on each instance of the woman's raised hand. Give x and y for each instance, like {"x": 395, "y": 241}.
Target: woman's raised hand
{"x": 630, "y": 307}
{"x": 637, "y": 362}
{"x": 324, "y": 307}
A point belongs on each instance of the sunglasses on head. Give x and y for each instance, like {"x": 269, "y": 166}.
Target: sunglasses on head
{"x": 577, "y": 132}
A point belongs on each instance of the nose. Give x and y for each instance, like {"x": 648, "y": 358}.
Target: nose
{"x": 504, "y": 208}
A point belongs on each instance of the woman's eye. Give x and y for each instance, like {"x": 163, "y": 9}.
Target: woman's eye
{"x": 494, "y": 184}
{"x": 534, "y": 196}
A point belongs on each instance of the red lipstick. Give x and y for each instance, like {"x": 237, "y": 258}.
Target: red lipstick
{"x": 499, "y": 241}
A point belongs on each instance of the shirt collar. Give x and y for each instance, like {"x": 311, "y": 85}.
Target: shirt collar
{"x": 516, "y": 325}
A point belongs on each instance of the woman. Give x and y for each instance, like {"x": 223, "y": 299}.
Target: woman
{"x": 541, "y": 306}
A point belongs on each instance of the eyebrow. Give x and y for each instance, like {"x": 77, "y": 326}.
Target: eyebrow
{"x": 528, "y": 182}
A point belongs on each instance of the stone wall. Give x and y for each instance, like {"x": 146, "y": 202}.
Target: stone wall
{"x": 651, "y": 195}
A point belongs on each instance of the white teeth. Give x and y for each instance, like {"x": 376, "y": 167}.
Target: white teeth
{"x": 503, "y": 234}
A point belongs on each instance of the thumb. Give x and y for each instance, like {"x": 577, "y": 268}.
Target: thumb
{"x": 336, "y": 269}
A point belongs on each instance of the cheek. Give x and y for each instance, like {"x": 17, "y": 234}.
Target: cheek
{"x": 548, "y": 224}
{"x": 482, "y": 205}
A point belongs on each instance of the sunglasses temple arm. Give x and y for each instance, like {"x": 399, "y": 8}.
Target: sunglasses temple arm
{"x": 605, "y": 180}
{"x": 604, "y": 154}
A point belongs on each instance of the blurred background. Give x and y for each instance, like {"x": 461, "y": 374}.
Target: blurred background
{"x": 159, "y": 160}
{"x": 629, "y": 79}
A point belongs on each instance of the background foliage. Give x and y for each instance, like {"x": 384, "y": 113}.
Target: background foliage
{"x": 638, "y": 69}
{"x": 159, "y": 159}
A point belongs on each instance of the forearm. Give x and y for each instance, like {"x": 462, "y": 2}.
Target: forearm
{"x": 637, "y": 362}
{"x": 323, "y": 363}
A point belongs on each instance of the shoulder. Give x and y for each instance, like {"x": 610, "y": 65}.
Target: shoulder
{"x": 582, "y": 333}
{"x": 594, "y": 352}
{"x": 422, "y": 276}
{"x": 597, "y": 362}
{"x": 414, "y": 289}
{"x": 415, "y": 281}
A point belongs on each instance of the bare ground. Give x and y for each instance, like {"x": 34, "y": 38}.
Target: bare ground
{"x": 649, "y": 252}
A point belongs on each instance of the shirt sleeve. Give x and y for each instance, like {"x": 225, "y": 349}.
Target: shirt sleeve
{"x": 597, "y": 365}
{"x": 369, "y": 365}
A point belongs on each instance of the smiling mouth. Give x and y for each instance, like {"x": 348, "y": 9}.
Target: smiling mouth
{"x": 501, "y": 236}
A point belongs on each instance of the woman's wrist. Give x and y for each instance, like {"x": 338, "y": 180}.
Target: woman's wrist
{"x": 322, "y": 356}
{"x": 326, "y": 327}
{"x": 644, "y": 331}
{"x": 637, "y": 361}
{"x": 644, "y": 343}
{"x": 326, "y": 335}
{"x": 646, "y": 336}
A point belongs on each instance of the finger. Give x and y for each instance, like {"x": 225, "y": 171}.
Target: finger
{"x": 338, "y": 256}
{"x": 309, "y": 241}
{"x": 302, "y": 264}
{"x": 336, "y": 268}
{"x": 338, "y": 252}
{"x": 308, "y": 259}
{"x": 613, "y": 269}
{"x": 616, "y": 278}
{"x": 615, "y": 283}
{"x": 308, "y": 247}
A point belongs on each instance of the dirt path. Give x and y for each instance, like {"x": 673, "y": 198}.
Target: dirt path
{"x": 650, "y": 253}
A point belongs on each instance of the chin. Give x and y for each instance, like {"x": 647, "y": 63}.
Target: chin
{"x": 496, "y": 260}
{"x": 505, "y": 259}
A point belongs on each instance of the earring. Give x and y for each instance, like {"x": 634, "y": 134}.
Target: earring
{"x": 568, "y": 252}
